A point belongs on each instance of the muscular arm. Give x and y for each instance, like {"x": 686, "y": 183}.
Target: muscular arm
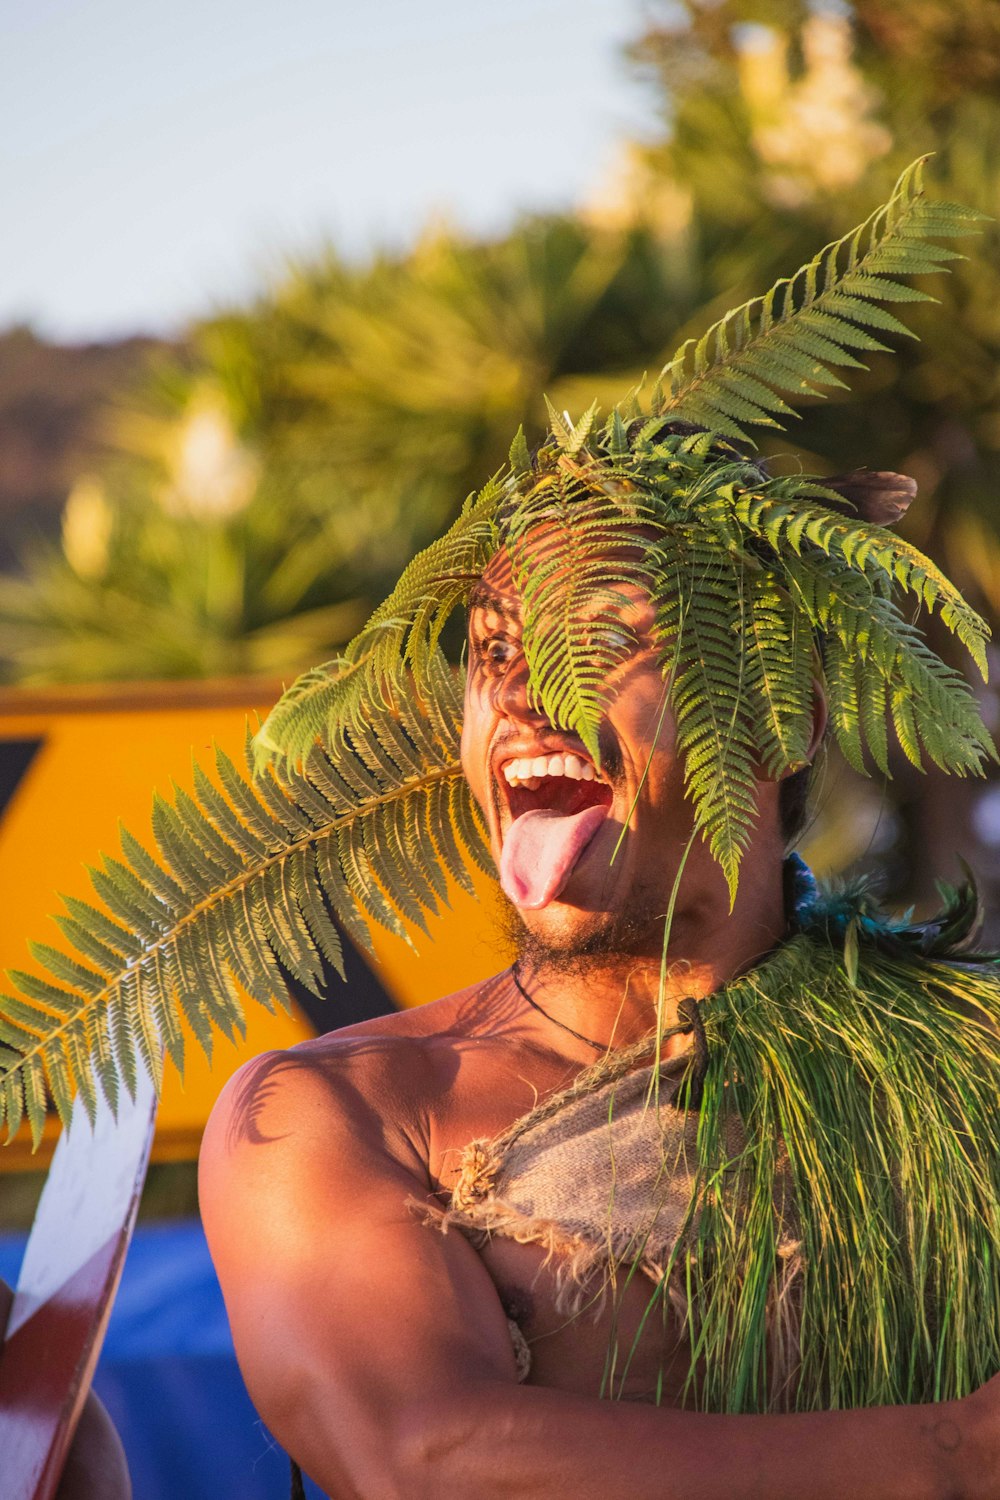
{"x": 378, "y": 1352}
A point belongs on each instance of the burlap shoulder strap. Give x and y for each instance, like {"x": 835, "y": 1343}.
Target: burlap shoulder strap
{"x": 601, "y": 1175}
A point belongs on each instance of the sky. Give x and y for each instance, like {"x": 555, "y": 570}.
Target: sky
{"x": 158, "y": 161}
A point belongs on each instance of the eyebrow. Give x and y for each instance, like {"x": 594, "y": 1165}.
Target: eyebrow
{"x": 482, "y": 598}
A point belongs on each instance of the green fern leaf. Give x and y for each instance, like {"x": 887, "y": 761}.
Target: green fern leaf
{"x": 121, "y": 1033}
{"x": 127, "y": 899}
{"x": 11, "y": 1100}
{"x": 581, "y": 432}
{"x": 872, "y": 702}
{"x": 57, "y": 1082}
{"x": 560, "y": 427}
{"x": 932, "y": 706}
{"x": 881, "y": 289}
{"x": 616, "y": 437}
{"x": 104, "y": 1062}
{"x": 572, "y": 551}
{"x": 34, "y": 1096}
{"x": 330, "y": 700}
{"x": 779, "y": 670}
{"x": 814, "y": 313}
{"x": 67, "y": 969}
{"x": 781, "y": 513}
{"x": 800, "y": 372}
{"x": 868, "y": 313}
{"x": 160, "y": 1008}
{"x": 701, "y": 596}
{"x": 148, "y": 1039}
{"x": 309, "y": 896}
{"x": 843, "y": 705}
{"x": 838, "y": 331}
{"x": 250, "y": 876}
{"x": 520, "y": 456}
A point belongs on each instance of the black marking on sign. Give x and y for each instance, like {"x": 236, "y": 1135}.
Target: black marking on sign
{"x": 15, "y": 758}
{"x": 361, "y": 997}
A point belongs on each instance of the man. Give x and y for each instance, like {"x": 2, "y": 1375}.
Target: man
{"x": 702, "y": 1196}
{"x": 379, "y": 1351}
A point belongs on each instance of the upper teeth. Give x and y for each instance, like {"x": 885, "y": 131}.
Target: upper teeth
{"x": 529, "y": 769}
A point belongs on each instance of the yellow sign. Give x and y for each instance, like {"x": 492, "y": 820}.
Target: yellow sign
{"x": 75, "y": 761}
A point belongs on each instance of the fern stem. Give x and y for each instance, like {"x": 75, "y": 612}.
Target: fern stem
{"x": 248, "y": 877}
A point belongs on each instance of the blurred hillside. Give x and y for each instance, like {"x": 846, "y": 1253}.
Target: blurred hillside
{"x": 52, "y": 397}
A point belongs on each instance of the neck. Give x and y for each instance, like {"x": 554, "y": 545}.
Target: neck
{"x": 617, "y": 997}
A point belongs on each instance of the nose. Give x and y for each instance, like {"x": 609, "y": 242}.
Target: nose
{"x": 512, "y": 697}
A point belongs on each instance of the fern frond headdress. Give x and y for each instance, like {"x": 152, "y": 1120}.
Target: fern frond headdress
{"x": 762, "y": 585}
{"x": 354, "y": 806}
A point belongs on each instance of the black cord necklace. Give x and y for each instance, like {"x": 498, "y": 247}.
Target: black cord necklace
{"x": 587, "y": 1041}
{"x": 690, "y": 1022}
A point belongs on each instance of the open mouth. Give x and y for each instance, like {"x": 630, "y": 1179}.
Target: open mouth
{"x": 564, "y": 784}
{"x": 557, "y": 804}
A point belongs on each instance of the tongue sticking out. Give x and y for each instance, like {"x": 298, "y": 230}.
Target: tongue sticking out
{"x": 540, "y": 850}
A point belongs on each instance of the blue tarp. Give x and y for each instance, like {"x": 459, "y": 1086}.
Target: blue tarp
{"x": 169, "y": 1378}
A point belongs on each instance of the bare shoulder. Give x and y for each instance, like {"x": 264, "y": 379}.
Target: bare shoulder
{"x": 361, "y": 1095}
{"x": 306, "y": 1147}
{"x": 312, "y": 1166}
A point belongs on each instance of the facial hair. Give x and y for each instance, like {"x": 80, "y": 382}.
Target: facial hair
{"x": 610, "y": 935}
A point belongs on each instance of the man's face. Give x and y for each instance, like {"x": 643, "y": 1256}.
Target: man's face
{"x": 579, "y": 884}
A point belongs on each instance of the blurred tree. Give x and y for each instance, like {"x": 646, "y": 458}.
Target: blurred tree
{"x": 265, "y": 487}
{"x": 397, "y": 387}
{"x": 780, "y": 122}
{"x": 179, "y": 561}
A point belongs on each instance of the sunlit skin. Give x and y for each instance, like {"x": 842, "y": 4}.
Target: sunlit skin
{"x": 635, "y": 873}
{"x": 378, "y": 1350}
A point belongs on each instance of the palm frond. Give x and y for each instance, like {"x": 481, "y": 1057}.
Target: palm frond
{"x": 784, "y": 343}
{"x": 330, "y": 700}
{"x": 250, "y": 877}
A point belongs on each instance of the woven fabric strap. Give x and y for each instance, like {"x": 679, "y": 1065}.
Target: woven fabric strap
{"x": 605, "y": 1177}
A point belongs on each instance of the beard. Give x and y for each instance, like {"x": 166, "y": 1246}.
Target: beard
{"x": 607, "y": 936}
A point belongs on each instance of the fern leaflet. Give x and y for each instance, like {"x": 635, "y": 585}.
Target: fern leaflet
{"x": 249, "y": 876}
{"x": 783, "y": 344}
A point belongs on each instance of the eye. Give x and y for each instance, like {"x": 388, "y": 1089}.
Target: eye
{"x": 496, "y": 651}
{"x": 608, "y": 636}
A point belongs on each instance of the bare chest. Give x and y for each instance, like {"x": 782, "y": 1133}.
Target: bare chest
{"x": 610, "y": 1330}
